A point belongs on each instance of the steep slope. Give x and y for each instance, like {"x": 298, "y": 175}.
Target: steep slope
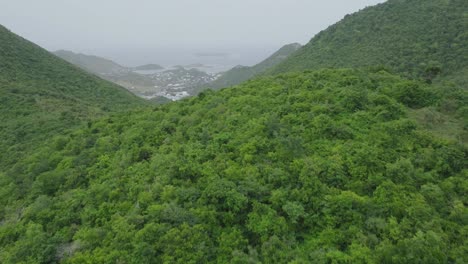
{"x": 414, "y": 37}
{"x": 320, "y": 167}
{"x": 41, "y": 94}
{"x": 90, "y": 63}
{"x": 240, "y": 74}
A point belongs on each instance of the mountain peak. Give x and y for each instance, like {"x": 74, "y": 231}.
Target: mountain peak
{"x": 404, "y": 35}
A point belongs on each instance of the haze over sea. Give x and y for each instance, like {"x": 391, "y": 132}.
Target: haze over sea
{"x": 218, "y": 59}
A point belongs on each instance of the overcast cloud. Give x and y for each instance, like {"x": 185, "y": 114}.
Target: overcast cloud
{"x": 127, "y": 30}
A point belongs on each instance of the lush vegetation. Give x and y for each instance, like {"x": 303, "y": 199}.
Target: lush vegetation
{"x": 318, "y": 167}
{"x": 459, "y": 77}
{"x": 322, "y": 166}
{"x": 241, "y": 74}
{"x": 414, "y": 37}
{"x": 41, "y": 95}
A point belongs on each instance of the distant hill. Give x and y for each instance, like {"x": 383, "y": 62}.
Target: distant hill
{"x": 41, "y": 94}
{"x": 240, "y": 74}
{"x": 113, "y": 72}
{"x": 148, "y": 67}
{"x": 413, "y": 37}
{"x": 90, "y": 63}
{"x": 169, "y": 82}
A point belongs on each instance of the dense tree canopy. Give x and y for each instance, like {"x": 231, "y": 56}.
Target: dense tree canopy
{"x": 413, "y": 37}
{"x": 324, "y": 166}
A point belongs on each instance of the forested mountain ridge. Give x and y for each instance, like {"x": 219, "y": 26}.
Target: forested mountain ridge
{"x": 412, "y": 37}
{"x": 240, "y": 74}
{"x": 323, "y": 166}
{"x": 317, "y": 166}
{"x": 41, "y": 94}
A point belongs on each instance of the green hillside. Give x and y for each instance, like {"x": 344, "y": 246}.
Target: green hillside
{"x": 413, "y": 37}
{"x": 319, "y": 167}
{"x": 240, "y": 74}
{"x": 366, "y": 164}
{"x": 41, "y": 94}
{"x": 92, "y": 64}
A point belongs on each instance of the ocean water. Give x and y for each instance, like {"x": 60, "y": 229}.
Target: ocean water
{"x": 211, "y": 60}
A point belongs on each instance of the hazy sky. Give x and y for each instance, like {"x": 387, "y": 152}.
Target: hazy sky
{"x": 127, "y": 30}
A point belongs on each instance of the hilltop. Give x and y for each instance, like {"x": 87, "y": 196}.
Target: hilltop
{"x": 416, "y": 38}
